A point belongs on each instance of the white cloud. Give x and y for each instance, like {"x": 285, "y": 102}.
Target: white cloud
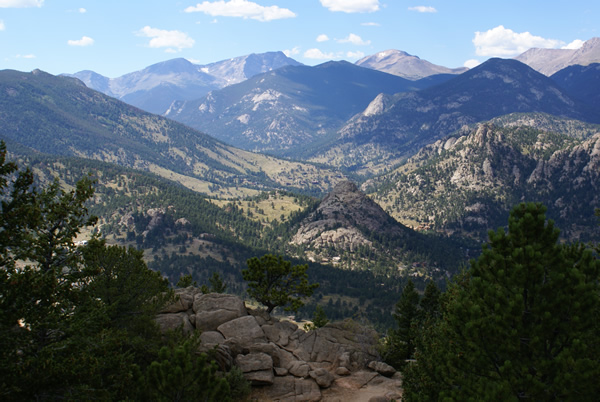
{"x": 371, "y": 24}
{"x": 25, "y": 56}
{"x": 84, "y": 41}
{"x": 241, "y": 8}
{"x": 82, "y": 10}
{"x": 503, "y": 42}
{"x": 355, "y": 55}
{"x": 351, "y": 6}
{"x": 317, "y": 54}
{"x": 21, "y": 3}
{"x": 2, "y": 26}
{"x": 322, "y": 38}
{"x": 471, "y": 63}
{"x": 423, "y": 9}
{"x": 355, "y": 40}
{"x": 292, "y": 52}
{"x": 172, "y": 40}
{"x": 576, "y": 44}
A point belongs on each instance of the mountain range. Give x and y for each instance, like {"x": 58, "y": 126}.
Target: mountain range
{"x": 61, "y": 116}
{"x": 290, "y": 107}
{"x": 155, "y": 87}
{"x": 394, "y": 127}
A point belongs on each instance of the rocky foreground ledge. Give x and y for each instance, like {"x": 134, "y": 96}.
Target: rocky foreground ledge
{"x": 337, "y": 362}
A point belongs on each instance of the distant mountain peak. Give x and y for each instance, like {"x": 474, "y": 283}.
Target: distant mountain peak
{"x": 389, "y": 53}
{"x": 405, "y": 65}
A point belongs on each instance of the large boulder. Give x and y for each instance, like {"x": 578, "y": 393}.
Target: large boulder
{"x": 215, "y": 309}
{"x": 280, "y": 332}
{"x": 211, "y": 338}
{"x": 257, "y": 368}
{"x": 244, "y": 330}
{"x": 382, "y": 368}
{"x": 322, "y": 377}
{"x": 184, "y": 299}
{"x": 298, "y": 368}
{"x": 344, "y": 344}
{"x": 168, "y": 322}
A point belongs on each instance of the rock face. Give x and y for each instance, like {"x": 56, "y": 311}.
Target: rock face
{"x": 282, "y": 361}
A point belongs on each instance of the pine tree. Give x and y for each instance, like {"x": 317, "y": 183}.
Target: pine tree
{"x": 401, "y": 341}
{"x": 274, "y": 282}
{"x": 520, "y": 324}
{"x": 181, "y": 374}
{"x": 319, "y": 319}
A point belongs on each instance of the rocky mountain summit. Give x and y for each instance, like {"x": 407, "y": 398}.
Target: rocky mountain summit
{"x": 283, "y": 362}
{"x": 405, "y": 65}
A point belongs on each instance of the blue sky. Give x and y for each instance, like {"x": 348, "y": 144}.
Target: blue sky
{"x": 116, "y": 37}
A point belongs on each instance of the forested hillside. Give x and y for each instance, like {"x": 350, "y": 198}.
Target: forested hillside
{"x": 182, "y": 232}
{"x": 467, "y": 183}
{"x": 61, "y": 116}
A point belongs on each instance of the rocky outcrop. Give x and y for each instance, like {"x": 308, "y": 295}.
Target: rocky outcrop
{"x": 282, "y": 361}
{"x": 344, "y": 220}
{"x": 471, "y": 181}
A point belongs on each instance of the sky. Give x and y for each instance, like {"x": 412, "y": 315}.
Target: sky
{"x": 115, "y": 37}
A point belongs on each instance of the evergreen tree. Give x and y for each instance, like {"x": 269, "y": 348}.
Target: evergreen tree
{"x": 521, "y": 324}
{"x": 319, "y": 319}
{"x": 182, "y": 374}
{"x": 274, "y": 282}
{"x": 73, "y": 320}
{"x": 401, "y": 341}
{"x": 216, "y": 283}
{"x": 429, "y": 305}
{"x": 185, "y": 281}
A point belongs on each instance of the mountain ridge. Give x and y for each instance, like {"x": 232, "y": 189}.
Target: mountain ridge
{"x": 393, "y": 127}
{"x": 550, "y": 61}
{"x": 155, "y": 87}
{"x": 289, "y": 107}
{"x": 60, "y": 115}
